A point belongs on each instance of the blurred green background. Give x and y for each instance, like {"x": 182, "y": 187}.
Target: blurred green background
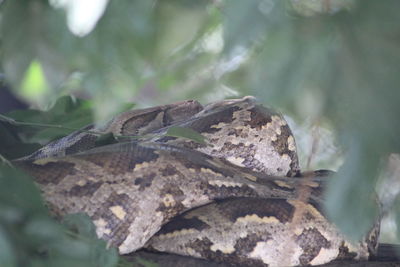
{"x": 331, "y": 66}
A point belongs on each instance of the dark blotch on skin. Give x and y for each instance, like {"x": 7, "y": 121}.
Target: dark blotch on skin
{"x": 232, "y": 259}
{"x": 311, "y": 241}
{"x": 247, "y": 244}
{"x": 139, "y": 125}
{"x": 281, "y": 145}
{"x": 119, "y": 228}
{"x": 120, "y": 158}
{"x": 86, "y": 190}
{"x": 240, "y": 207}
{"x": 171, "y": 211}
{"x": 180, "y": 223}
{"x": 344, "y": 253}
{"x": 204, "y": 125}
{"x": 144, "y": 181}
{"x": 49, "y": 173}
{"x": 168, "y": 170}
{"x": 238, "y": 133}
{"x": 181, "y": 111}
{"x": 259, "y": 116}
{"x": 82, "y": 144}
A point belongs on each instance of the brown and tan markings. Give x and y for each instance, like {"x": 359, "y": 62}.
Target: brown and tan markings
{"x": 241, "y": 204}
{"x": 257, "y": 231}
{"x": 115, "y": 170}
{"x": 244, "y": 133}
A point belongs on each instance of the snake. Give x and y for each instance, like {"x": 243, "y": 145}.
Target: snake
{"x": 238, "y": 198}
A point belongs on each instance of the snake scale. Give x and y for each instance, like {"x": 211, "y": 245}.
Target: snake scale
{"x": 237, "y": 199}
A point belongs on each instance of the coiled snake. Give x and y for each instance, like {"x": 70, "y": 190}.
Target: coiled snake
{"x": 239, "y": 198}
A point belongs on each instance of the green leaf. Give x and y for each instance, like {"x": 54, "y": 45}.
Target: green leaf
{"x": 246, "y": 22}
{"x": 18, "y": 191}
{"x": 17, "y": 52}
{"x": 81, "y": 224}
{"x": 186, "y": 133}
{"x": 32, "y": 42}
{"x": 7, "y": 255}
{"x": 351, "y": 200}
{"x": 34, "y": 83}
{"x": 41, "y": 230}
{"x": 67, "y": 112}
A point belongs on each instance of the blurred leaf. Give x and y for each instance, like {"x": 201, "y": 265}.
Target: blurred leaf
{"x": 11, "y": 146}
{"x": 351, "y": 197}
{"x": 246, "y": 22}
{"x": 31, "y": 238}
{"x": 7, "y": 256}
{"x": 186, "y": 133}
{"x": 31, "y": 42}
{"x": 24, "y": 197}
{"x": 17, "y": 52}
{"x": 34, "y": 83}
{"x": 342, "y": 66}
{"x": 312, "y": 8}
{"x": 81, "y": 224}
{"x": 84, "y": 228}
{"x": 67, "y": 115}
{"x": 67, "y": 112}
{"x": 41, "y": 230}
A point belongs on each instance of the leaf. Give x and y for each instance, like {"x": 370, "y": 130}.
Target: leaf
{"x": 351, "y": 200}
{"x": 246, "y": 22}
{"x": 67, "y": 112}
{"x": 186, "y": 133}
{"x": 7, "y": 255}
{"x": 33, "y": 237}
{"x": 34, "y": 83}
{"x": 32, "y": 42}
{"x": 99, "y": 254}
{"x": 10, "y": 145}
{"x": 18, "y": 191}
{"x": 41, "y": 230}
{"x": 18, "y": 53}
{"x": 81, "y": 224}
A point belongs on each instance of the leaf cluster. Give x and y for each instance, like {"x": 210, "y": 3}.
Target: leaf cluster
{"x": 29, "y": 237}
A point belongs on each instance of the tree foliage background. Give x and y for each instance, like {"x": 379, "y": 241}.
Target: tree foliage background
{"x": 331, "y": 62}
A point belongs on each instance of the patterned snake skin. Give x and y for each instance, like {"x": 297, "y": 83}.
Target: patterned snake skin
{"x": 240, "y": 198}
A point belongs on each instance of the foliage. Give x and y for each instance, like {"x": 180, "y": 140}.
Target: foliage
{"x": 331, "y": 60}
{"x": 29, "y": 237}
{"x": 66, "y": 115}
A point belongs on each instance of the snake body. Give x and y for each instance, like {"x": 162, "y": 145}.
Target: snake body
{"x": 231, "y": 200}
